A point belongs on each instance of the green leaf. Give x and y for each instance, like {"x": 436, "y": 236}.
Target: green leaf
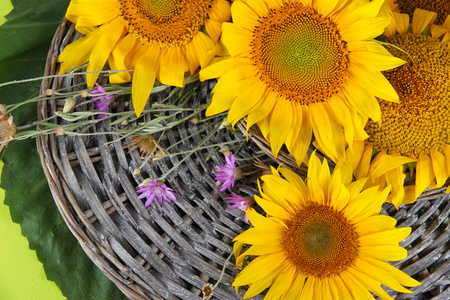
{"x": 25, "y": 39}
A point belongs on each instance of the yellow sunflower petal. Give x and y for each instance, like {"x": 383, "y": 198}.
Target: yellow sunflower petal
{"x": 325, "y": 7}
{"x": 421, "y": 19}
{"x": 274, "y": 209}
{"x": 237, "y": 40}
{"x": 253, "y": 95}
{"x": 214, "y": 29}
{"x": 263, "y": 270}
{"x": 284, "y": 188}
{"x": 327, "y": 132}
{"x": 389, "y": 162}
{"x": 244, "y": 16}
{"x": 370, "y": 284}
{"x": 376, "y": 59}
{"x": 372, "y": 206}
{"x": 353, "y": 13}
{"x": 296, "y": 288}
{"x": 282, "y": 283}
{"x": 338, "y": 193}
{"x": 110, "y": 35}
{"x": 172, "y": 67}
{"x": 144, "y": 78}
{"x": 263, "y": 110}
{"x": 380, "y": 275}
{"x": 105, "y": 11}
{"x": 356, "y": 288}
{"x": 202, "y": 45}
{"x": 400, "y": 276}
{"x": 280, "y": 124}
{"x": 258, "y": 6}
{"x": 341, "y": 113}
{"x": 120, "y": 59}
{"x": 446, "y": 150}
{"x": 365, "y": 29}
{"x": 401, "y": 22}
{"x": 299, "y": 139}
{"x": 380, "y": 238}
{"x": 219, "y": 68}
{"x": 424, "y": 173}
{"x": 375, "y": 224}
{"x": 375, "y": 83}
{"x": 384, "y": 253}
{"x": 362, "y": 101}
{"x": 220, "y": 10}
{"x": 294, "y": 179}
{"x": 78, "y": 52}
{"x": 439, "y": 167}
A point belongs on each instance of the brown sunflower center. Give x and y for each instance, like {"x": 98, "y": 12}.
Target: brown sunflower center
{"x": 164, "y": 23}
{"x": 299, "y": 54}
{"x": 420, "y": 123}
{"x": 441, "y": 7}
{"x": 320, "y": 241}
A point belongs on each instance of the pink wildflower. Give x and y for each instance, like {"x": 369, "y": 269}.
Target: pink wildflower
{"x": 239, "y": 202}
{"x": 153, "y": 189}
{"x": 227, "y": 173}
{"x": 101, "y": 102}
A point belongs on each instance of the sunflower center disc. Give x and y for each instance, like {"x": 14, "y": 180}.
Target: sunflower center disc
{"x": 164, "y": 23}
{"x": 420, "y": 123}
{"x": 320, "y": 241}
{"x": 300, "y": 54}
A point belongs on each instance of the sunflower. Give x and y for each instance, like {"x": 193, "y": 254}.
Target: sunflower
{"x": 163, "y": 39}
{"x": 418, "y": 127}
{"x": 302, "y": 67}
{"x": 442, "y": 8}
{"x": 323, "y": 239}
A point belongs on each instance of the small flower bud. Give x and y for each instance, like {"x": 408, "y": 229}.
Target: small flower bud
{"x": 194, "y": 121}
{"x": 60, "y": 131}
{"x": 69, "y": 103}
{"x": 125, "y": 122}
{"x": 84, "y": 93}
{"x": 136, "y": 172}
{"x": 225, "y": 150}
{"x": 49, "y": 92}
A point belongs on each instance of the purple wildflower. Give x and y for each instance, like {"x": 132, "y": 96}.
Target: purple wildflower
{"x": 153, "y": 189}
{"x": 227, "y": 173}
{"x": 101, "y": 102}
{"x": 239, "y": 202}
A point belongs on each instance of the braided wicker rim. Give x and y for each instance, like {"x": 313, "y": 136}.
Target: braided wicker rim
{"x": 170, "y": 252}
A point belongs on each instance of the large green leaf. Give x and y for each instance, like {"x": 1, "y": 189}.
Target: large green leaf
{"x": 25, "y": 39}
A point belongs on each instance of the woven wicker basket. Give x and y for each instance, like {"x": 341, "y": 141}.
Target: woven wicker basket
{"x": 170, "y": 252}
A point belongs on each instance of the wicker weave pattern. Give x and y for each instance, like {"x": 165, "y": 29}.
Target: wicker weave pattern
{"x": 170, "y": 252}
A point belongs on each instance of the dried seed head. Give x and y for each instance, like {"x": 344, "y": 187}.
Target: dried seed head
{"x": 7, "y": 130}
{"x": 207, "y": 291}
